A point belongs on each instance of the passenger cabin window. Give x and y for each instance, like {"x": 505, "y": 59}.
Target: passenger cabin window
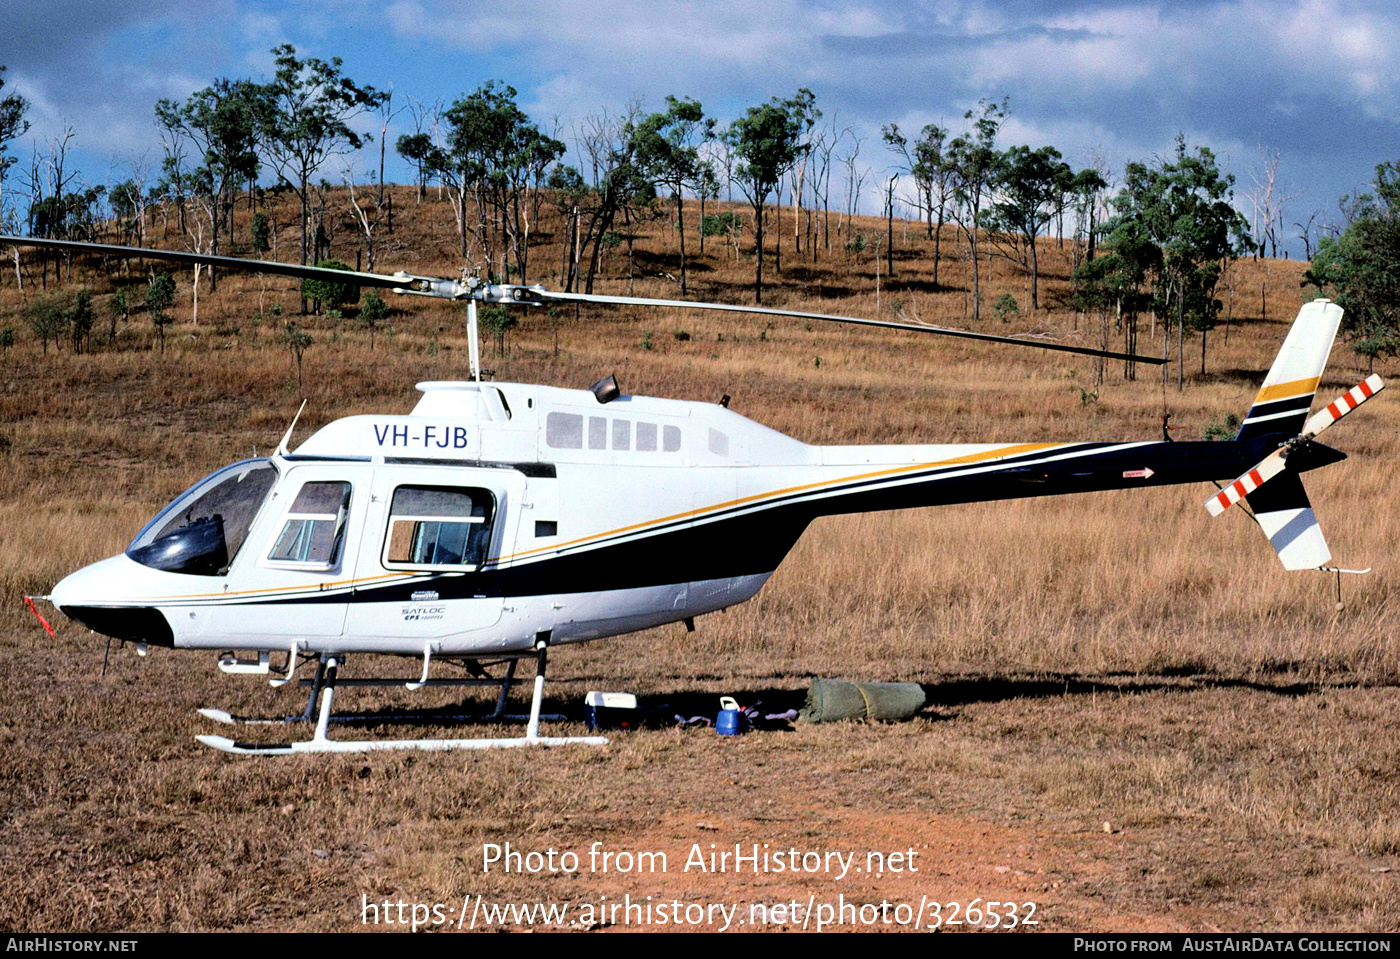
{"x": 434, "y": 527}
{"x": 564, "y": 431}
{"x": 314, "y": 530}
{"x": 719, "y": 443}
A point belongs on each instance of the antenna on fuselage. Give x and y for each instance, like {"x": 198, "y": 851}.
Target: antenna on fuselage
{"x": 287, "y": 436}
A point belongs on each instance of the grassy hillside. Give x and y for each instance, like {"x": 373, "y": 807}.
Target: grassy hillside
{"x": 1139, "y": 721}
{"x": 96, "y": 441}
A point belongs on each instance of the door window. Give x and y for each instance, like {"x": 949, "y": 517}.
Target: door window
{"x": 435, "y": 527}
{"x": 314, "y": 530}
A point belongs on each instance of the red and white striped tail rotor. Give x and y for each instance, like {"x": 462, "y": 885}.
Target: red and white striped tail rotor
{"x": 1269, "y": 467}
{"x": 1273, "y": 464}
{"x": 1342, "y": 405}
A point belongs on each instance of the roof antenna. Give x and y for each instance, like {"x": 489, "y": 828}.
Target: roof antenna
{"x": 287, "y": 436}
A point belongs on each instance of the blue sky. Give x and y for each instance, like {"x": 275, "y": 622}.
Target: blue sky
{"x": 1318, "y": 80}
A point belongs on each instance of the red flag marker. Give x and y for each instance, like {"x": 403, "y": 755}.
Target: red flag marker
{"x": 42, "y": 621}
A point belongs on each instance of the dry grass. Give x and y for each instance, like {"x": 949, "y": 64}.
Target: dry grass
{"x": 1115, "y": 658}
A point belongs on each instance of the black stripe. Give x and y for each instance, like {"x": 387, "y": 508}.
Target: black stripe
{"x": 828, "y": 506}
{"x": 532, "y": 470}
{"x": 1276, "y": 432}
{"x": 1303, "y": 403}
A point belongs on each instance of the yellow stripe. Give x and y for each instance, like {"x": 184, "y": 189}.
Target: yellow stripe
{"x": 999, "y": 453}
{"x": 1281, "y": 391}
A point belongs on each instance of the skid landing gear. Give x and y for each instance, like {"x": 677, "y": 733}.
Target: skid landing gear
{"x": 306, "y": 716}
{"x": 324, "y": 684}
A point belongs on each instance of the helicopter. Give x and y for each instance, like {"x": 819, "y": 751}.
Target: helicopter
{"x": 497, "y": 520}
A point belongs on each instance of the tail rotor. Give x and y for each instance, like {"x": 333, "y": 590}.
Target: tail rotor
{"x": 1282, "y": 507}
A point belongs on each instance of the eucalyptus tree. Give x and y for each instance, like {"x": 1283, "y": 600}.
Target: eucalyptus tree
{"x": 1030, "y": 190}
{"x": 765, "y": 142}
{"x": 667, "y": 150}
{"x": 824, "y": 146}
{"x": 160, "y": 296}
{"x": 804, "y": 108}
{"x": 1359, "y": 267}
{"x": 417, "y": 148}
{"x": 1087, "y": 189}
{"x": 1176, "y": 229}
{"x": 494, "y": 153}
{"x": 13, "y": 125}
{"x": 305, "y": 120}
{"x": 46, "y": 316}
{"x": 222, "y": 122}
{"x": 926, "y": 160}
{"x": 618, "y": 186}
{"x": 128, "y": 202}
{"x": 976, "y": 166}
{"x": 513, "y": 156}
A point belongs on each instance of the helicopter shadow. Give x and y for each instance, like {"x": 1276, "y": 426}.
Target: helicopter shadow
{"x": 944, "y": 699}
{"x": 975, "y": 690}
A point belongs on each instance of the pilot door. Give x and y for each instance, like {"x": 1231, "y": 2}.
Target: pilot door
{"x": 292, "y": 577}
{"x": 431, "y": 540}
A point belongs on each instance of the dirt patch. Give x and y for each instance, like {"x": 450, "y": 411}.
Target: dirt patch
{"x": 947, "y": 864}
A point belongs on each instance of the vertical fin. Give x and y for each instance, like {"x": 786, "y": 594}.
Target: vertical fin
{"x": 1281, "y": 506}
{"x": 1282, "y": 404}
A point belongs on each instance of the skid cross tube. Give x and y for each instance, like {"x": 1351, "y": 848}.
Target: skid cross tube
{"x": 327, "y": 679}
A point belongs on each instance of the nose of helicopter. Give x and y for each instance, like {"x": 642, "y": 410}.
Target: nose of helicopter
{"x": 99, "y": 597}
{"x": 91, "y": 585}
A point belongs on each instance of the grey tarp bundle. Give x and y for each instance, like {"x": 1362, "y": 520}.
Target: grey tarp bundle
{"x": 830, "y": 700}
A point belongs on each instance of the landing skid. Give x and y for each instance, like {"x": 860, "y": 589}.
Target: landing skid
{"x": 407, "y": 716}
{"x": 325, "y": 683}
{"x": 227, "y": 745}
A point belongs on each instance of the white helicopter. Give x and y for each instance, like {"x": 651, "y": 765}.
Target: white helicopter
{"x": 496, "y": 520}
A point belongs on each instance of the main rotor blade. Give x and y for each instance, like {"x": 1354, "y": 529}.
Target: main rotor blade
{"x": 537, "y": 295}
{"x": 402, "y": 281}
{"x": 457, "y": 289}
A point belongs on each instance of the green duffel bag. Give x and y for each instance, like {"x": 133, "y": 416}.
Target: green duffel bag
{"x": 831, "y": 700}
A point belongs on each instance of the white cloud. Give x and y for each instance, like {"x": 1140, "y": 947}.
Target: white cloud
{"x": 1122, "y": 77}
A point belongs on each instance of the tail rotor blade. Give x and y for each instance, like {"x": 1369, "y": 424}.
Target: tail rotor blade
{"x": 1273, "y": 464}
{"x": 1342, "y": 405}
{"x": 1267, "y": 468}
